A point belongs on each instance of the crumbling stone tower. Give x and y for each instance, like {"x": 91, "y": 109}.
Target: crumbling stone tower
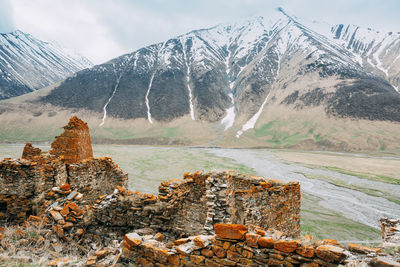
{"x": 74, "y": 144}
{"x": 25, "y": 182}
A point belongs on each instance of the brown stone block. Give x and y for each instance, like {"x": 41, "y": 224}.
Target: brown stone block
{"x": 159, "y": 237}
{"x": 252, "y": 239}
{"x": 58, "y": 230}
{"x": 384, "y": 262}
{"x": 225, "y": 262}
{"x": 173, "y": 260}
{"x": 68, "y": 225}
{"x": 197, "y": 259}
{"x": 56, "y": 215}
{"x": 287, "y": 245}
{"x": 219, "y": 251}
{"x": 362, "y": 249}
{"x": 329, "y": 253}
{"x": 207, "y": 252}
{"x": 75, "y": 208}
{"x": 233, "y": 255}
{"x": 328, "y": 241}
{"x": 309, "y": 264}
{"x": 266, "y": 242}
{"x": 181, "y": 241}
{"x": 64, "y": 211}
{"x": 161, "y": 255}
{"x": 305, "y": 251}
{"x": 133, "y": 239}
{"x": 226, "y": 245}
{"x": 275, "y": 262}
{"x": 230, "y": 231}
{"x": 211, "y": 263}
{"x": 65, "y": 187}
{"x": 276, "y": 256}
{"x": 247, "y": 254}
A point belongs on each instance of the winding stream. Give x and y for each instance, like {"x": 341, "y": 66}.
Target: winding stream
{"x": 352, "y": 204}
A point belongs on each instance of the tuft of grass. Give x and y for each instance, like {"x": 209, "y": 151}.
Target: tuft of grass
{"x": 318, "y": 138}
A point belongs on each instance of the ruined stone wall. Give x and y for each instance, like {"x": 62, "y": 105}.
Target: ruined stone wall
{"x": 124, "y": 210}
{"x": 194, "y": 204}
{"x": 234, "y": 245}
{"x": 24, "y": 184}
{"x": 74, "y": 144}
{"x": 96, "y": 177}
{"x": 30, "y": 152}
{"x": 390, "y": 232}
{"x": 202, "y": 200}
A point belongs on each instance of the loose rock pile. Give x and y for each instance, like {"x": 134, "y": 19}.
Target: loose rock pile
{"x": 67, "y": 212}
{"x": 234, "y": 245}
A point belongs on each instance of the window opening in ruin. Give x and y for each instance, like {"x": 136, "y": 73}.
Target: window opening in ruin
{"x": 3, "y": 207}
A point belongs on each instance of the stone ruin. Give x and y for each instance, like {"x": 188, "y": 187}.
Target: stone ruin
{"x": 390, "y": 232}
{"x": 205, "y": 219}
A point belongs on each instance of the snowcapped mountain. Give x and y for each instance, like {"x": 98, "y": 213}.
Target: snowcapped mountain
{"x": 27, "y": 64}
{"x": 378, "y": 51}
{"x": 230, "y": 73}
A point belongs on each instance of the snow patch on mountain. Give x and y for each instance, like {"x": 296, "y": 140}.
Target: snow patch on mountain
{"x": 250, "y": 123}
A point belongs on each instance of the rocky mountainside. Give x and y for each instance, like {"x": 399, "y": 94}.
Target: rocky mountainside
{"x": 27, "y": 64}
{"x": 275, "y": 81}
{"x": 228, "y": 73}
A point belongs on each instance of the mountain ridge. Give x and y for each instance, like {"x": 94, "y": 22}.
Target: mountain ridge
{"x": 229, "y": 79}
{"x": 28, "y": 64}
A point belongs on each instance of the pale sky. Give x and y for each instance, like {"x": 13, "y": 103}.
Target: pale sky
{"x": 103, "y": 29}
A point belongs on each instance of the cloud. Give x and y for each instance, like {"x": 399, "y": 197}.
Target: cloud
{"x": 103, "y": 29}
{"x": 6, "y": 20}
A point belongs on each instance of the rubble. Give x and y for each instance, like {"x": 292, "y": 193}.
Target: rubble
{"x": 230, "y": 247}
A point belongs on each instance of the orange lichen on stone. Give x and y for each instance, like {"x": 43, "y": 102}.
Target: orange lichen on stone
{"x": 330, "y": 253}
{"x": 286, "y": 245}
{"x": 230, "y": 231}
{"x": 252, "y": 239}
{"x": 305, "y": 251}
{"x": 30, "y": 152}
{"x": 74, "y": 144}
{"x": 133, "y": 240}
{"x": 363, "y": 249}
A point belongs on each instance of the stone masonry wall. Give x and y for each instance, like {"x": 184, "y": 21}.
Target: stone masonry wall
{"x": 193, "y": 205}
{"x": 96, "y": 177}
{"x": 74, "y": 144}
{"x": 30, "y": 152}
{"x": 390, "y": 232}
{"x": 235, "y": 245}
{"x": 229, "y": 197}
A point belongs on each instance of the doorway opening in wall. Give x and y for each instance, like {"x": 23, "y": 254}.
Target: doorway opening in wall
{"x": 3, "y": 207}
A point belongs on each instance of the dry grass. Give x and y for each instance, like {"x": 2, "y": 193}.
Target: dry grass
{"x": 361, "y": 164}
{"x": 35, "y": 245}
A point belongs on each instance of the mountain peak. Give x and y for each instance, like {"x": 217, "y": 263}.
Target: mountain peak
{"x": 27, "y": 63}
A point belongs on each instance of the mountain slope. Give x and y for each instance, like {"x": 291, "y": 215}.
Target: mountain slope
{"x": 28, "y": 64}
{"x": 264, "y": 81}
{"x": 225, "y": 74}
